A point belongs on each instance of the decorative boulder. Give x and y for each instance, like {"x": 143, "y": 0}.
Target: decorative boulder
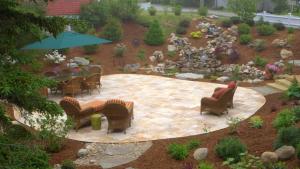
{"x": 82, "y": 152}
{"x": 286, "y": 54}
{"x": 269, "y": 157}
{"x": 200, "y": 154}
{"x": 285, "y": 152}
{"x": 132, "y": 68}
{"x": 189, "y": 76}
{"x": 157, "y": 56}
{"x": 279, "y": 42}
{"x": 223, "y": 79}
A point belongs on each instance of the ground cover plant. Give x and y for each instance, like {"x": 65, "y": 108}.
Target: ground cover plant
{"x": 181, "y": 151}
{"x": 245, "y": 39}
{"x": 256, "y": 122}
{"x": 287, "y": 136}
{"x": 285, "y": 118}
{"x": 230, "y": 147}
{"x": 293, "y": 91}
{"x": 265, "y": 30}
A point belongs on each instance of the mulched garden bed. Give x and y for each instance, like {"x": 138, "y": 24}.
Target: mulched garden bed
{"x": 257, "y": 141}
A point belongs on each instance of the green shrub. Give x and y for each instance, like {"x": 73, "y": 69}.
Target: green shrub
{"x": 244, "y": 29}
{"x": 193, "y": 144}
{"x": 284, "y": 118}
{"x": 152, "y": 11}
{"x": 178, "y": 151}
{"x": 291, "y": 30}
{"x": 293, "y": 91}
{"x": 181, "y": 30}
{"x": 278, "y": 165}
{"x": 265, "y": 30}
{"x": 256, "y": 122}
{"x": 91, "y": 49}
{"x": 184, "y": 23}
{"x": 250, "y": 22}
{"x": 18, "y": 132}
{"x": 296, "y": 111}
{"x": 141, "y": 54}
{"x": 235, "y": 19}
{"x": 259, "y": 61}
{"x": 68, "y": 164}
{"x": 287, "y": 136}
{"x": 80, "y": 26}
{"x": 113, "y": 30}
{"x": 119, "y": 50}
{"x": 247, "y": 161}
{"x": 155, "y": 35}
{"x": 226, "y": 23}
{"x": 203, "y": 11}
{"x": 230, "y": 147}
{"x": 205, "y": 165}
{"x": 298, "y": 150}
{"x": 196, "y": 34}
{"x": 177, "y": 9}
{"x": 279, "y": 26}
{"x": 245, "y": 39}
{"x": 259, "y": 45}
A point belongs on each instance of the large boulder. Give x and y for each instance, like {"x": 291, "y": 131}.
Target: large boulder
{"x": 285, "y": 152}
{"x": 82, "y": 153}
{"x": 200, "y": 154}
{"x": 269, "y": 157}
{"x": 285, "y": 54}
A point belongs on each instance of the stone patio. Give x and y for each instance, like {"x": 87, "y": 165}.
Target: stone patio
{"x": 163, "y": 108}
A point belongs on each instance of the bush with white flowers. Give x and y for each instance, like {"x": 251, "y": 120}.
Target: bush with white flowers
{"x": 55, "y": 57}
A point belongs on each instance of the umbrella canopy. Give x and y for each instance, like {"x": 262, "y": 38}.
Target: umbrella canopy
{"x": 66, "y": 40}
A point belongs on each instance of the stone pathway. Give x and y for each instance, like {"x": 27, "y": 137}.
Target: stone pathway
{"x": 265, "y": 90}
{"x": 111, "y": 155}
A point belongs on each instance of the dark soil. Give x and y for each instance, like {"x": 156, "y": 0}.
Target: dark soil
{"x": 257, "y": 141}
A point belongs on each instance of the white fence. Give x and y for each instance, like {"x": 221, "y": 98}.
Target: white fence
{"x": 289, "y": 20}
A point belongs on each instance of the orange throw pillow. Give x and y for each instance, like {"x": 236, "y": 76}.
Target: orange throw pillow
{"x": 220, "y": 93}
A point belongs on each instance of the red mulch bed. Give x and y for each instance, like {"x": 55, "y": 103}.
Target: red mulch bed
{"x": 257, "y": 141}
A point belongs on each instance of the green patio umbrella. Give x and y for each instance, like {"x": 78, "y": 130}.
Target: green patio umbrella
{"x": 66, "y": 40}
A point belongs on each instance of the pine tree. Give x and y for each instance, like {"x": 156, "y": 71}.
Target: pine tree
{"x": 113, "y": 30}
{"x": 155, "y": 35}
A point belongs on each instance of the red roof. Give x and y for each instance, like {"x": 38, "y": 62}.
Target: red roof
{"x": 65, "y": 7}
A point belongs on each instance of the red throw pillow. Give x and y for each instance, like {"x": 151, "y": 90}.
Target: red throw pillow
{"x": 219, "y": 93}
{"x": 231, "y": 85}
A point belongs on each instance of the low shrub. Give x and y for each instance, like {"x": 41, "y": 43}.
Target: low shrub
{"x": 284, "y": 118}
{"x": 235, "y": 19}
{"x": 80, "y": 26}
{"x": 152, "y": 11}
{"x": 247, "y": 161}
{"x": 296, "y": 111}
{"x": 113, "y": 30}
{"x": 91, "y": 49}
{"x": 119, "y": 50}
{"x": 181, "y": 30}
{"x": 177, "y": 9}
{"x": 293, "y": 91}
{"x": 193, "y": 144}
{"x": 141, "y": 54}
{"x": 245, "y": 39}
{"x": 259, "y": 45}
{"x": 203, "y": 11}
{"x": 259, "y": 61}
{"x": 196, "y": 35}
{"x": 18, "y": 132}
{"x": 279, "y": 26}
{"x": 184, "y": 23}
{"x": 298, "y": 150}
{"x": 178, "y": 151}
{"x": 68, "y": 164}
{"x": 155, "y": 35}
{"x": 226, "y": 23}
{"x": 233, "y": 123}
{"x": 250, "y": 22}
{"x": 256, "y": 122}
{"x": 230, "y": 147}
{"x": 287, "y": 136}
{"x": 291, "y": 30}
{"x": 205, "y": 165}
{"x": 265, "y": 30}
{"x": 278, "y": 165}
{"x": 244, "y": 29}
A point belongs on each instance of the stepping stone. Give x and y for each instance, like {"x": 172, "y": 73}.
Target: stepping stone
{"x": 283, "y": 82}
{"x": 265, "y": 90}
{"x": 277, "y": 86}
{"x": 295, "y": 62}
{"x": 189, "y": 76}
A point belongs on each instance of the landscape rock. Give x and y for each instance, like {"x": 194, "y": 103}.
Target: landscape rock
{"x": 200, "y": 154}
{"x": 81, "y": 61}
{"x": 172, "y": 48}
{"x": 82, "y": 153}
{"x": 132, "y": 68}
{"x": 280, "y": 42}
{"x": 223, "y": 79}
{"x": 285, "y": 152}
{"x": 157, "y": 56}
{"x": 189, "y": 76}
{"x": 269, "y": 157}
{"x": 57, "y": 166}
{"x": 285, "y": 54}
{"x": 295, "y": 62}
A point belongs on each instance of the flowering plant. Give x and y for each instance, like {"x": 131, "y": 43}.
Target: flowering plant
{"x": 272, "y": 68}
{"x": 55, "y": 57}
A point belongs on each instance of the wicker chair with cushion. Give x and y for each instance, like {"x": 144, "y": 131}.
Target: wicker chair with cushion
{"x": 119, "y": 114}
{"x": 217, "y": 105}
{"x": 79, "y": 112}
{"x": 92, "y": 82}
{"x": 231, "y": 85}
{"x": 72, "y": 86}
{"x": 95, "y": 70}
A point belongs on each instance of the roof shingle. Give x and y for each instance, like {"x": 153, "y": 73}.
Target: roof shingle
{"x": 65, "y": 7}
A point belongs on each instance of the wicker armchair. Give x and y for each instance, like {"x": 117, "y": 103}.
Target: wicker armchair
{"x": 95, "y": 70}
{"x": 92, "y": 82}
{"x": 232, "y": 92}
{"x": 214, "y": 105}
{"x": 119, "y": 114}
{"x": 79, "y": 112}
{"x": 72, "y": 86}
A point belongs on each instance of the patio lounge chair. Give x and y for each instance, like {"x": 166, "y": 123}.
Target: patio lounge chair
{"x": 79, "y": 112}
{"x": 72, "y": 86}
{"x": 119, "y": 114}
{"x": 217, "y": 105}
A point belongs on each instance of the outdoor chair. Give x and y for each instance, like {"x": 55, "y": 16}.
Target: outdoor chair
{"x": 79, "y": 112}
{"x": 217, "y": 105}
{"x": 233, "y": 86}
{"x": 92, "y": 82}
{"x": 95, "y": 70}
{"x": 119, "y": 114}
{"x": 72, "y": 86}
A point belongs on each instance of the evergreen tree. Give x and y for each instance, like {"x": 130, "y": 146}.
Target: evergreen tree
{"x": 155, "y": 35}
{"x": 113, "y": 30}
